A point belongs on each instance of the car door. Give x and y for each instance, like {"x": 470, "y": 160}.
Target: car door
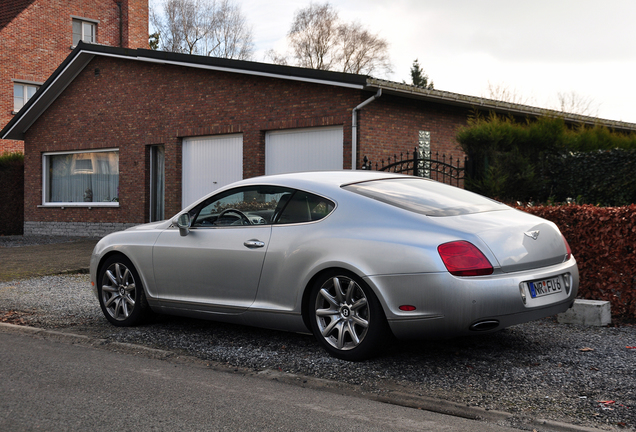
{"x": 217, "y": 266}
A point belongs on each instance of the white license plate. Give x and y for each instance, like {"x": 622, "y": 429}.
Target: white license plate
{"x": 545, "y": 287}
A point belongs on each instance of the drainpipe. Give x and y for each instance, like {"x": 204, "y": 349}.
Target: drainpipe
{"x": 121, "y": 25}
{"x": 354, "y": 127}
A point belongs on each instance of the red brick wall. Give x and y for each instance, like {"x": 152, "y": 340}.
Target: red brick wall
{"x": 391, "y": 125}
{"x": 135, "y": 18}
{"x": 11, "y": 146}
{"x": 38, "y": 39}
{"x": 130, "y": 105}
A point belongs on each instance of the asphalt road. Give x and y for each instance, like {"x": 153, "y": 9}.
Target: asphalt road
{"x": 77, "y": 387}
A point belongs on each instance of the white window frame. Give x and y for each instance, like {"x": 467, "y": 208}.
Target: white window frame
{"x": 45, "y": 181}
{"x": 85, "y": 24}
{"x": 26, "y": 86}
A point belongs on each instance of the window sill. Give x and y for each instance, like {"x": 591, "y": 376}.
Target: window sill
{"x": 81, "y": 205}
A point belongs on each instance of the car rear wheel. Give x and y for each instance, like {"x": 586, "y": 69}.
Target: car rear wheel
{"x": 346, "y": 317}
{"x": 121, "y": 294}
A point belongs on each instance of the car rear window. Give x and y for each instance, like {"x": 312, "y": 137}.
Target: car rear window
{"x": 304, "y": 207}
{"x": 425, "y": 196}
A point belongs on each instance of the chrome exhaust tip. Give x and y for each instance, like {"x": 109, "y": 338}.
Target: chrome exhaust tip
{"x": 484, "y": 325}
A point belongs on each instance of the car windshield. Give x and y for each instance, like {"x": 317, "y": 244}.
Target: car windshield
{"x": 425, "y": 196}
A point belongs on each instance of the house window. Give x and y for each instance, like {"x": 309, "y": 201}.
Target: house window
{"x": 81, "y": 178}
{"x": 84, "y": 31}
{"x": 21, "y": 94}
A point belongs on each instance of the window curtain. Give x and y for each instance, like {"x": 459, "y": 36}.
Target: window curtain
{"x": 84, "y": 177}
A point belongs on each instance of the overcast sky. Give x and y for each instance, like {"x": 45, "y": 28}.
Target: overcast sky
{"x": 535, "y": 48}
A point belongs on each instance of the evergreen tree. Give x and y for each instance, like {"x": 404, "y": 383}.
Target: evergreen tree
{"x": 153, "y": 41}
{"x": 419, "y": 78}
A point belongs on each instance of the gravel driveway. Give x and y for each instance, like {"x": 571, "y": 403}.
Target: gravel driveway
{"x": 578, "y": 375}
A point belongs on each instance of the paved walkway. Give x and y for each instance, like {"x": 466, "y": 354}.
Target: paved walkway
{"x": 45, "y": 259}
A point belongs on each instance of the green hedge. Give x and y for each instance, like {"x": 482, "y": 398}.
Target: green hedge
{"x": 603, "y": 241}
{"x": 601, "y": 177}
{"x": 544, "y": 160}
{"x": 11, "y": 193}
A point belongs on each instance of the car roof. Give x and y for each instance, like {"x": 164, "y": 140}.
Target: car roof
{"x": 325, "y": 183}
{"x": 320, "y": 180}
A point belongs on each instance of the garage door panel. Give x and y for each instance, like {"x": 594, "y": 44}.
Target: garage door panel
{"x": 209, "y": 163}
{"x": 304, "y": 150}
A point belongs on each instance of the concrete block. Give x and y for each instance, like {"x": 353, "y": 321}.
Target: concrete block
{"x": 587, "y": 312}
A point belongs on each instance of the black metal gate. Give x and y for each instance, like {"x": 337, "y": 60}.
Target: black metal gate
{"x": 440, "y": 169}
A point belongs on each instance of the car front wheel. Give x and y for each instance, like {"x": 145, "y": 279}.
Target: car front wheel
{"x": 121, "y": 294}
{"x": 346, "y": 317}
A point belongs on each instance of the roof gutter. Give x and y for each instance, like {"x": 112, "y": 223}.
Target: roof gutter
{"x": 354, "y": 127}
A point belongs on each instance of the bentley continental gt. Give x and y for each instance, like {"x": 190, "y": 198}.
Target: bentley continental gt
{"x": 354, "y": 257}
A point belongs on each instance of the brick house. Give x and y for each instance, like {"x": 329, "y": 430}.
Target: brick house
{"x": 37, "y": 35}
{"x": 158, "y": 130}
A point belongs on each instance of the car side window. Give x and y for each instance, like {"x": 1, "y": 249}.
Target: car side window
{"x": 252, "y": 205}
{"x": 304, "y": 207}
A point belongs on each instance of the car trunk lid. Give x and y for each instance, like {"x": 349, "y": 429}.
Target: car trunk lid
{"x": 519, "y": 241}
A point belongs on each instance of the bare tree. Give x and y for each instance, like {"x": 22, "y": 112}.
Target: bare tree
{"x": 313, "y": 36}
{"x": 274, "y": 57}
{"x": 168, "y": 29}
{"x": 319, "y": 40}
{"x": 360, "y": 51}
{"x": 182, "y": 25}
{"x": 574, "y": 103}
{"x": 206, "y": 27}
{"x": 567, "y": 102}
{"x": 504, "y": 93}
{"x": 231, "y": 36}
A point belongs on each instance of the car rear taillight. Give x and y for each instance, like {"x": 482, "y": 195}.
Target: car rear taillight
{"x": 462, "y": 258}
{"x": 568, "y": 251}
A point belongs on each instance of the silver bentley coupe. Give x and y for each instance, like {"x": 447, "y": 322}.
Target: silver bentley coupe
{"x": 355, "y": 257}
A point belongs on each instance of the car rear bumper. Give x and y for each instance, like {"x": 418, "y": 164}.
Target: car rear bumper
{"x": 448, "y": 306}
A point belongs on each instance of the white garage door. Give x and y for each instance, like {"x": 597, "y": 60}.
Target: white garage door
{"x": 296, "y": 150}
{"x": 209, "y": 163}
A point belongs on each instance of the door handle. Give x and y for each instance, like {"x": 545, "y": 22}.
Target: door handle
{"x": 254, "y": 244}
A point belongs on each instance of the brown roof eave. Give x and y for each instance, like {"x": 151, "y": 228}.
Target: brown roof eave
{"x": 501, "y": 107}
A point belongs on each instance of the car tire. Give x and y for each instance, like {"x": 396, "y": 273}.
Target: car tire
{"x": 346, "y": 317}
{"x": 121, "y": 293}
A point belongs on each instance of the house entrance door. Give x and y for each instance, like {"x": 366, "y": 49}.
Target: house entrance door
{"x": 157, "y": 182}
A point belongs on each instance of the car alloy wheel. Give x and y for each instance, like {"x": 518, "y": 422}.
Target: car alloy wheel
{"x": 121, "y": 294}
{"x": 346, "y": 317}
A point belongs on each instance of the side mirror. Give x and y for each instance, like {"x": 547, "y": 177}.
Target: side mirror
{"x": 184, "y": 222}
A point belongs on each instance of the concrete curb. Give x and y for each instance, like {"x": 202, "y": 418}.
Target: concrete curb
{"x": 393, "y": 397}
{"x": 83, "y": 270}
